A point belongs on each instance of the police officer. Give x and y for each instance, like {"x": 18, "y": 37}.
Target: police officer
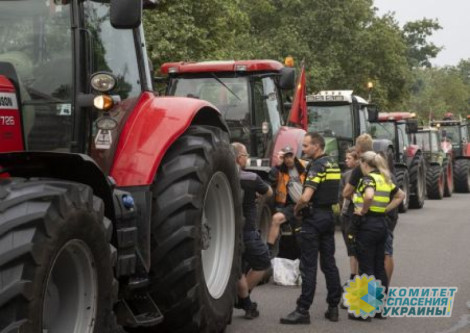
{"x": 372, "y": 201}
{"x": 317, "y": 235}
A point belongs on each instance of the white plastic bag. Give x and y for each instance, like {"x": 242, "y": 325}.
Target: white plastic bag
{"x": 286, "y": 272}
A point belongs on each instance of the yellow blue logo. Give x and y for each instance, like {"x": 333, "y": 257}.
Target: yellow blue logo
{"x": 364, "y": 296}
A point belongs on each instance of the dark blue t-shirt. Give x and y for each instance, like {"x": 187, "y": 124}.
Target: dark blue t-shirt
{"x": 251, "y": 184}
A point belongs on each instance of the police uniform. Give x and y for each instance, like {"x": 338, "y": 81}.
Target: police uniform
{"x": 317, "y": 234}
{"x": 372, "y": 231}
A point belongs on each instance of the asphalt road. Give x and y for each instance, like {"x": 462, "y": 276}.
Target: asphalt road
{"x": 432, "y": 248}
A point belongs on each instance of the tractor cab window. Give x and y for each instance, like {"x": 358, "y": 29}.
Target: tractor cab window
{"x": 331, "y": 120}
{"x": 229, "y": 94}
{"x": 452, "y": 134}
{"x": 385, "y": 130}
{"x": 464, "y": 134}
{"x": 36, "y": 41}
{"x": 363, "y": 120}
{"x": 267, "y": 104}
{"x": 402, "y": 136}
{"x": 434, "y": 142}
{"x": 113, "y": 50}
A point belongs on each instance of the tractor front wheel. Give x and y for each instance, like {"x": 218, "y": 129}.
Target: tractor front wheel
{"x": 462, "y": 176}
{"x": 56, "y": 261}
{"x": 449, "y": 179}
{"x": 403, "y": 181}
{"x": 417, "y": 182}
{"x": 435, "y": 182}
{"x": 196, "y": 232}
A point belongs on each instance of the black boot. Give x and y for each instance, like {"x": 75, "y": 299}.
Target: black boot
{"x": 332, "y": 313}
{"x": 251, "y": 311}
{"x": 299, "y": 316}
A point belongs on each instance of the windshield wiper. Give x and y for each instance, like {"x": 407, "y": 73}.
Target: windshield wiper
{"x": 226, "y": 87}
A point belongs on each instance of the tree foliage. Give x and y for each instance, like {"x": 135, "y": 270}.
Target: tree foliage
{"x": 344, "y": 44}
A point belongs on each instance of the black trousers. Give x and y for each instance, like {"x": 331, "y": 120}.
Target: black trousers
{"x": 371, "y": 238}
{"x": 317, "y": 236}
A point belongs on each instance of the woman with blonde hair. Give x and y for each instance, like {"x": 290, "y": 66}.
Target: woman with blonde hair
{"x": 372, "y": 202}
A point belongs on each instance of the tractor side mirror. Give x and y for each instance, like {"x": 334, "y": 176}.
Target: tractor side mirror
{"x": 411, "y": 126}
{"x": 287, "y": 81}
{"x": 372, "y": 113}
{"x": 126, "y": 14}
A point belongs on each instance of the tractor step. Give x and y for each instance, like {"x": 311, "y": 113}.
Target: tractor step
{"x": 138, "y": 311}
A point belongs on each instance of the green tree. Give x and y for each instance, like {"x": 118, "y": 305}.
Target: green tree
{"x": 420, "y": 50}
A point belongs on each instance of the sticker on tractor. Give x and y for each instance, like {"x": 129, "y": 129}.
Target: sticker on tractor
{"x": 103, "y": 139}
{"x": 11, "y": 137}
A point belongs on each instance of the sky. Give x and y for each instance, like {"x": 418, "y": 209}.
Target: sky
{"x": 453, "y": 16}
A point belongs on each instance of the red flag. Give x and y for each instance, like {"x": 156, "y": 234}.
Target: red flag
{"x": 298, "y": 111}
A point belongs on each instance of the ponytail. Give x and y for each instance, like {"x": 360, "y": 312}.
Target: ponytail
{"x": 374, "y": 160}
{"x": 381, "y": 164}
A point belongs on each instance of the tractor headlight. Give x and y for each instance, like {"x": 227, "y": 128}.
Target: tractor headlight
{"x": 103, "y": 82}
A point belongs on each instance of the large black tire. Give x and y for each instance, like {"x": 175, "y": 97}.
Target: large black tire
{"x": 449, "y": 178}
{"x": 403, "y": 181}
{"x": 180, "y": 235}
{"x": 435, "y": 182}
{"x": 462, "y": 176}
{"x": 417, "y": 173}
{"x": 52, "y": 234}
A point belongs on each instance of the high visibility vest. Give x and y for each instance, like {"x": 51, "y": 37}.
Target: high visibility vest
{"x": 381, "y": 197}
{"x": 282, "y": 181}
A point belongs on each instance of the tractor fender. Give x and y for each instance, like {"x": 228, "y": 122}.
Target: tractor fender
{"x": 151, "y": 129}
{"x": 66, "y": 166}
{"x": 288, "y": 136}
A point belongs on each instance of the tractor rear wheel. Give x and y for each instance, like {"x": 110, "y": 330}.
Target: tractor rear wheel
{"x": 462, "y": 176}
{"x": 417, "y": 182}
{"x": 196, "y": 232}
{"x": 435, "y": 179}
{"x": 56, "y": 261}
{"x": 449, "y": 178}
{"x": 403, "y": 181}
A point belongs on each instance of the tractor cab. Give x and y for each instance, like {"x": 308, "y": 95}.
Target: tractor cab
{"x": 60, "y": 55}
{"x": 341, "y": 117}
{"x": 249, "y": 94}
{"x": 454, "y": 136}
{"x": 398, "y": 127}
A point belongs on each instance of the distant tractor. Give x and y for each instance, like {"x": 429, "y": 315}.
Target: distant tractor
{"x": 341, "y": 117}
{"x": 454, "y": 138}
{"x": 249, "y": 94}
{"x": 409, "y": 162}
{"x": 439, "y": 175}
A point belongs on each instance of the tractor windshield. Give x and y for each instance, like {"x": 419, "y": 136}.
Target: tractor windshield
{"x": 385, "y": 130}
{"x": 228, "y": 94}
{"x": 452, "y": 134}
{"x": 36, "y": 52}
{"x": 427, "y": 141}
{"x": 331, "y": 120}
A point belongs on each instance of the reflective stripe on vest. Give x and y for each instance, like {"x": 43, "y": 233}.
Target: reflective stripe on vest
{"x": 283, "y": 180}
{"x": 381, "y": 197}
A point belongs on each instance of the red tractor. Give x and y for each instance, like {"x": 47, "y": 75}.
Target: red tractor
{"x": 250, "y": 96}
{"x": 117, "y": 207}
{"x": 454, "y": 136}
{"x": 409, "y": 162}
